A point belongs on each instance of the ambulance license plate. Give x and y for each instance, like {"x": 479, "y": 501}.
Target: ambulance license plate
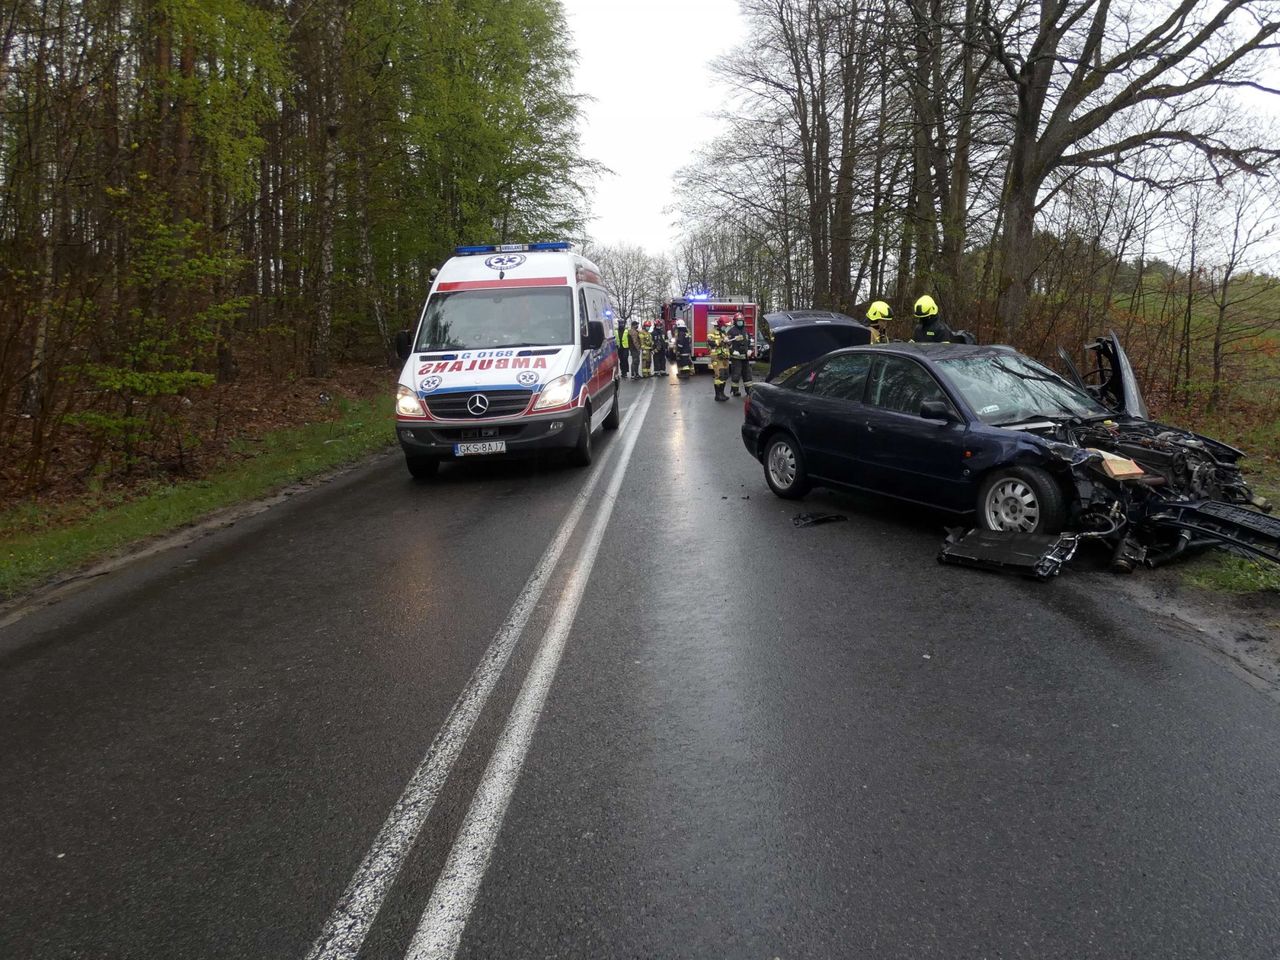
{"x": 489, "y": 446}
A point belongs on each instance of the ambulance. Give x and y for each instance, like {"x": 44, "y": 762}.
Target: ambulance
{"x": 514, "y": 353}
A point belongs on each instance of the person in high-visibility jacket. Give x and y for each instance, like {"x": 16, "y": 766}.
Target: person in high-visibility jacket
{"x": 646, "y": 349}
{"x": 877, "y": 314}
{"x": 633, "y": 344}
{"x": 624, "y": 347}
{"x": 718, "y": 342}
{"x": 739, "y": 356}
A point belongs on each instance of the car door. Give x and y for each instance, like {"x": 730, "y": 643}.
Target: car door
{"x": 832, "y": 419}
{"x": 908, "y": 455}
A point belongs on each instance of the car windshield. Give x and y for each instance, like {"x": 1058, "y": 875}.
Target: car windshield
{"x": 1009, "y": 388}
{"x": 486, "y": 319}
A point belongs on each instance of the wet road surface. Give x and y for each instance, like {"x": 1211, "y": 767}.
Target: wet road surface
{"x": 531, "y": 710}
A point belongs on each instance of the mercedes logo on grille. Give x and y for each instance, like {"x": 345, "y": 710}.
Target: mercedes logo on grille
{"x": 478, "y": 405}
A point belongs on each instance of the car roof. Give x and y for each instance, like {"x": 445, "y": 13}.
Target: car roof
{"x": 937, "y": 351}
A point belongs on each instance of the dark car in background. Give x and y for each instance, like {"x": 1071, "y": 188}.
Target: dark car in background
{"x": 986, "y": 432}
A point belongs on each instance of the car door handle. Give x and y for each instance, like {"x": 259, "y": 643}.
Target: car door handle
{"x": 869, "y": 425}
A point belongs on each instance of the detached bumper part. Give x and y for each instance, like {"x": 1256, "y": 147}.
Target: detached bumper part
{"x": 1244, "y": 531}
{"x": 1030, "y": 554}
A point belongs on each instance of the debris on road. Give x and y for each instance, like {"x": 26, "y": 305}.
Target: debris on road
{"x": 1036, "y": 555}
{"x": 813, "y": 519}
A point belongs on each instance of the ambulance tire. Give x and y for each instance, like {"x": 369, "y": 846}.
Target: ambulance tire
{"x": 580, "y": 455}
{"x": 614, "y": 419}
{"x": 422, "y": 468}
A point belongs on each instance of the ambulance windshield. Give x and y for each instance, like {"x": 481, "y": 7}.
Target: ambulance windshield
{"x": 489, "y": 319}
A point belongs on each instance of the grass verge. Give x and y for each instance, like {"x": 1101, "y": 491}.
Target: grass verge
{"x": 1227, "y": 573}
{"x": 37, "y": 544}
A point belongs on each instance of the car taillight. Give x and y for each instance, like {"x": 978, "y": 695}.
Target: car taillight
{"x": 746, "y": 404}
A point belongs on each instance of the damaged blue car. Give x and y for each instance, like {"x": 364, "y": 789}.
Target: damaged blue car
{"x": 1034, "y": 462}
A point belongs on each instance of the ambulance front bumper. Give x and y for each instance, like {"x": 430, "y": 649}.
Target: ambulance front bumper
{"x": 522, "y": 435}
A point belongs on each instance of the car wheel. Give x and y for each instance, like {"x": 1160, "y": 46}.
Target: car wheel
{"x": 422, "y": 468}
{"x": 580, "y": 455}
{"x": 614, "y": 419}
{"x": 1021, "y": 500}
{"x": 784, "y": 468}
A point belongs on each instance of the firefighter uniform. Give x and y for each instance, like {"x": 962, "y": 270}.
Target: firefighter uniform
{"x": 929, "y": 326}
{"x": 684, "y": 352}
{"x": 739, "y": 353}
{"x": 646, "y": 352}
{"x": 659, "y": 350}
{"x": 718, "y": 342}
{"x": 877, "y": 314}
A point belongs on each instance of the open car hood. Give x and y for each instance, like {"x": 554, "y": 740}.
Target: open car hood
{"x": 1111, "y": 378}
{"x": 798, "y": 336}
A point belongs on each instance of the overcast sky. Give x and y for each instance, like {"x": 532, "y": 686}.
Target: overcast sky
{"x": 645, "y": 63}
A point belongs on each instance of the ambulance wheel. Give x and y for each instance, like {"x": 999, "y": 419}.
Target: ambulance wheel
{"x": 614, "y": 419}
{"x": 580, "y": 455}
{"x": 422, "y": 468}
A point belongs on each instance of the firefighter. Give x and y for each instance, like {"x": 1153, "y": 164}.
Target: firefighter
{"x": 624, "y": 347}
{"x": 633, "y": 344}
{"x": 646, "y": 349}
{"x": 739, "y": 356}
{"x": 718, "y": 341}
{"x": 929, "y": 329}
{"x": 684, "y": 351}
{"x": 877, "y": 314}
{"x": 659, "y": 349}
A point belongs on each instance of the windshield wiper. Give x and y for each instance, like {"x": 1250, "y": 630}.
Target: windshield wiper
{"x": 1024, "y": 420}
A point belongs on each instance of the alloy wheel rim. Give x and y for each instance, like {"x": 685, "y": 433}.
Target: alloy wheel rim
{"x": 1012, "y": 506}
{"x": 782, "y": 464}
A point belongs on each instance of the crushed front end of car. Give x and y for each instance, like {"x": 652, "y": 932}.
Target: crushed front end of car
{"x": 1150, "y": 491}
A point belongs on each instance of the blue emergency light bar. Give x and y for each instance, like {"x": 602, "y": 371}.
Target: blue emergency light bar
{"x": 559, "y": 245}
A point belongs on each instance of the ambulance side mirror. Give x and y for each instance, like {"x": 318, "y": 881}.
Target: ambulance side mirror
{"x": 595, "y": 334}
{"x": 402, "y": 345}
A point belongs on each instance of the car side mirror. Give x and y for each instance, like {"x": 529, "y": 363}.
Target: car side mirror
{"x": 937, "y": 410}
{"x": 595, "y": 334}
{"x": 402, "y": 344}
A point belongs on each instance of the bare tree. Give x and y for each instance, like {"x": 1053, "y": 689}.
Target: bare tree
{"x": 1097, "y": 82}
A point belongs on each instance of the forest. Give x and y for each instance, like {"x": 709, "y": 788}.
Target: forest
{"x": 201, "y": 193}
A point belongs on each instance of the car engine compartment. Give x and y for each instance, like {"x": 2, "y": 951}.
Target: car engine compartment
{"x": 1151, "y": 491}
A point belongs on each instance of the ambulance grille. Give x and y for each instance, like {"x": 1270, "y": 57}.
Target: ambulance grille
{"x": 502, "y": 403}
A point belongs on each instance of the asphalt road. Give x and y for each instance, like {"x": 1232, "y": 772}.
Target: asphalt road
{"x": 717, "y": 734}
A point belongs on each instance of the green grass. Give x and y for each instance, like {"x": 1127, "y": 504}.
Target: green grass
{"x": 1225, "y": 573}
{"x": 38, "y": 543}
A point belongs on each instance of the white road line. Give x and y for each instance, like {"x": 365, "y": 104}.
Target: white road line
{"x": 440, "y": 930}
{"x": 345, "y": 930}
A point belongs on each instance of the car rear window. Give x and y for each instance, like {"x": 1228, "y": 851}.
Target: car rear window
{"x": 843, "y": 377}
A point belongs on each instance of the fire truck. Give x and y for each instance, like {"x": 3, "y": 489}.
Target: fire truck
{"x": 700, "y": 313}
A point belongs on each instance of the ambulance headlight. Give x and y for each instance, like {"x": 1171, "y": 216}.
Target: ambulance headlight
{"x": 407, "y": 404}
{"x": 556, "y": 393}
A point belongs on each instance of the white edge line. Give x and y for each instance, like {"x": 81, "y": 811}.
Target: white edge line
{"x": 440, "y": 931}
{"x": 345, "y": 930}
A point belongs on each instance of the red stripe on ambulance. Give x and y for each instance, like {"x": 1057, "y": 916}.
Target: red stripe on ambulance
{"x": 495, "y": 284}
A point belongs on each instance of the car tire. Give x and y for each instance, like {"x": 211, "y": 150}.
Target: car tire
{"x": 422, "y": 468}
{"x": 1021, "y": 499}
{"x": 614, "y": 419}
{"x": 580, "y": 455}
{"x": 784, "y": 470}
